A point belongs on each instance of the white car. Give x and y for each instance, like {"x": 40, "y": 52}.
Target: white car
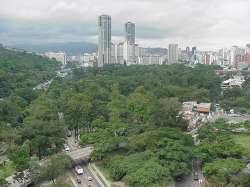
{"x": 90, "y": 178}
{"x": 79, "y": 170}
{"x": 66, "y": 147}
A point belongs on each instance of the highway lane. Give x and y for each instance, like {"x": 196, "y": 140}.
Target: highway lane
{"x": 77, "y": 154}
{"x": 84, "y": 178}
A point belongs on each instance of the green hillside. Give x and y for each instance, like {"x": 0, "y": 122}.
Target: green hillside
{"x": 20, "y": 70}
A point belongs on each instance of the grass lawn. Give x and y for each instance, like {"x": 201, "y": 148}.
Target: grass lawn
{"x": 104, "y": 170}
{"x": 106, "y": 174}
{"x": 7, "y": 170}
{"x": 243, "y": 140}
{"x": 63, "y": 181}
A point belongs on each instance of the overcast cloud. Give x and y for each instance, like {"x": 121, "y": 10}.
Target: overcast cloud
{"x": 208, "y": 24}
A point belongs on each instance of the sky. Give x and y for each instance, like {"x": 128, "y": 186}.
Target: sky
{"x": 207, "y": 24}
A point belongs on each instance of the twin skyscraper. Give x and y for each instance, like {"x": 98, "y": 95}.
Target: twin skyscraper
{"x": 105, "y": 43}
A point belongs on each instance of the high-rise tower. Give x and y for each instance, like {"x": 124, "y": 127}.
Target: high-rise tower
{"x": 130, "y": 33}
{"x": 173, "y": 53}
{"x": 129, "y": 44}
{"x": 104, "y": 40}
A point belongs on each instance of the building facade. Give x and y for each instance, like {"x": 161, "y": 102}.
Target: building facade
{"x": 173, "y": 53}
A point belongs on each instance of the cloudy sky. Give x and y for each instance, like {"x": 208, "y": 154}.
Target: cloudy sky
{"x": 208, "y": 24}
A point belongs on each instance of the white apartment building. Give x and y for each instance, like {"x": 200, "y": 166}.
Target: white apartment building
{"x": 87, "y": 57}
{"x": 129, "y": 53}
{"x": 150, "y": 60}
{"x": 117, "y": 53}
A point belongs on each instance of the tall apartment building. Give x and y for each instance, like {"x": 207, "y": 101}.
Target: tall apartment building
{"x": 119, "y": 53}
{"x": 104, "y": 40}
{"x": 173, "y": 53}
{"x": 247, "y": 55}
{"x": 194, "y": 49}
{"x": 236, "y": 55}
{"x": 129, "y": 44}
{"x": 130, "y": 33}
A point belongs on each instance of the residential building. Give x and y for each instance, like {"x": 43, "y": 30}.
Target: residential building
{"x": 247, "y": 55}
{"x": 194, "y": 49}
{"x": 129, "y": 44}
{"x": 130, "y": 33}
{"x": 236, "y": 56}
{"x": 117, "y": 53}
{"x": 150, "y": 60}
{"x": 104, "y": 40}
{"x": 129, "y": 53}
{"x": 173, "y": 53}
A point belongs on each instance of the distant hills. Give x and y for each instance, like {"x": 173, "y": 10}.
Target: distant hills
{"x": 71, "y": 48}
{"x": 74, "y": 48}
{"x": 158, "y": 51}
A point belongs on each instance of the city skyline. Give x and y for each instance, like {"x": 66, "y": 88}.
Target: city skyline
{"x": 207, "y": 25}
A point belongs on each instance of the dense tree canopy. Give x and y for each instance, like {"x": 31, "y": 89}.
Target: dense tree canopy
{"x": 129, "y": 114}
{"x": 221, "y": 157}
{"x": 237, "y": 98}
{"x": 21, "y": 70}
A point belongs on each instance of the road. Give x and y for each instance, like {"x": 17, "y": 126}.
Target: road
{"x": 72, "y": 143}
{"x": 81, "y": 153}
{"x": 190, "y": 182}
{"x": 77, "y": 153}
{"x": 43, "y": 86}
{"x": 84, "y": 178}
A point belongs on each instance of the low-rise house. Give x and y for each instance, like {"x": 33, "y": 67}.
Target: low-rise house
{"x": 203, "y": 108}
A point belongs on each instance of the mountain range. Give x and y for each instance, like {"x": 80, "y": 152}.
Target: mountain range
{"x": 71, "y": 48}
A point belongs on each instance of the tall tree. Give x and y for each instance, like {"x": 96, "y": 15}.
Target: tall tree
{"x": 78, "y": 112}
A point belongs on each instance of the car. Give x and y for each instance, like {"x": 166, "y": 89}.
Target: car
{"x": 196, "y": 176}
{"x": 90, "y": 178}
{"x": 78, "y": 180}
{"x": 79, "y": 170}
{"x": 69, "y": 134}
{"x": 66, "y": 147}
{"x": 179, "y": 179}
